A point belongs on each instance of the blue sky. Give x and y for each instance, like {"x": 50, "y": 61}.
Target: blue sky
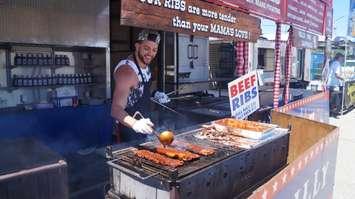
{"x": 341, "y": 16}
{"x": 340, "y": 19}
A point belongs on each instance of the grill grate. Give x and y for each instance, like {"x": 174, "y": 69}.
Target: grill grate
{"x": 225, "y": 175}
{"x": 144, "y": 167}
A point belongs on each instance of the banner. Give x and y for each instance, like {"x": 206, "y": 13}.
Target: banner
{"x": 193, "y": 17}
{"x": 244, "y": 95}
{"x": 312, "y": 175}
{"x": 303, "y": 39}
{"x": 306, "y": 14}
{"x": 270, "y": 9}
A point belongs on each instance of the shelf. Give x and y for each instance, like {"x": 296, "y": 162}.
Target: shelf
{"x": 43, "y": 66}
{"x": 54, "y": 66}
{"x": 49, "y": 86}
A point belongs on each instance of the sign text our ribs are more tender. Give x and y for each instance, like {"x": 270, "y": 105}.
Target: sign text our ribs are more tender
{"x": 180, "y": 22}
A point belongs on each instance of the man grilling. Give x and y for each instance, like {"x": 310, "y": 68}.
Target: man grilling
{"x": 132, "y": 89}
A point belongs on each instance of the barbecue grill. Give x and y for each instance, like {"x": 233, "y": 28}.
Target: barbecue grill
{"x": 226, "y": 174}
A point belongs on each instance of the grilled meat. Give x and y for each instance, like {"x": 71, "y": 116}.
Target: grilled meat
{"x": 200, "y": 150}
{"x": 158, "y": 159}
{"x": 175, "y": 153}
{"x": 243, "y": 124}
{"x": 194, "y": 148}
{"x": 225, "y": 137}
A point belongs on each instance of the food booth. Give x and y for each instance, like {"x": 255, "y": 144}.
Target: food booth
{"x": 213, "y": 156}
{"x": 296, "y": 158}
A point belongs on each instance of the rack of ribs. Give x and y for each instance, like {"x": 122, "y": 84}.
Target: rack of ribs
{"x": 200, "y": 150}
{"x": 158, "y": 159}
{"x": 175, "y": 153}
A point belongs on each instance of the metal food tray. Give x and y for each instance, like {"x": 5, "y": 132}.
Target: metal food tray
{"x": 273, "y": 134}
{"x": 232, "y": 145}
{"x": 257, "y": 135}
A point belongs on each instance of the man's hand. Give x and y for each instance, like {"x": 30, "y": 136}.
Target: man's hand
{"x": 143, "y": 126}
{"x": 161, "y": 97}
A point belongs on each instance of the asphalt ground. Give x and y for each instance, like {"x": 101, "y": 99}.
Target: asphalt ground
{"x": 345, "y": 165}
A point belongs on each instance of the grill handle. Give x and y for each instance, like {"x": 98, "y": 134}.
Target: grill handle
{"x": 125, "y": 170}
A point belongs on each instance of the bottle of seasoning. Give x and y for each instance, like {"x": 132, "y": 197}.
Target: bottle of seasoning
{"x": 54, "y": 79}
{"x": 90, "y": 78}
{"x": 35, "y": 60}
{"x": 45, "y": 60}
{"x": 65, "y": 79}
{"x": 40, "y": 80}
{"x": 69, "y": 81}
{"x": 50, "y": 60}
{"x": 72, "y": 79}
{"x": 25, "y": 80}
{"x": 24, "y": 60}
{"x": 77, "y": 79}
{"x": 17, "y": 60}
{"x": 35, "y": 80}
{"x": 29, "y": 59}
{"x": 29, "y": 80}
{"x": 56, "y": 60}
{"x": 20, "y": 80}
{"x": 81, "y": 80}
{"x": 14, "y": 80}
{"x": 59, "y": 79}
{"x": 40, "y": 59}
{"x": 32, "y": 80}
{"x": 45, "y": 80}
{"x": 49, "y": 80}
{"x": 62, "y": 60}
{"x": 85, "y": 78}
{"x": 66, "y": 60}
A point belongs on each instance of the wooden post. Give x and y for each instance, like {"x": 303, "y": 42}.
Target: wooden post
{"x": 239, "y": 50}
{"x": 246, "y": 57}
{"x": 276, "y": 90}
{"x": 288, "y": 65}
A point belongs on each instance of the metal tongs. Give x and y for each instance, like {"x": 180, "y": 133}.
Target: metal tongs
{"x": 165, "y": 138}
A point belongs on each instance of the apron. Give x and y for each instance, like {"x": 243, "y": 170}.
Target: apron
{"x": 137, "y": 101}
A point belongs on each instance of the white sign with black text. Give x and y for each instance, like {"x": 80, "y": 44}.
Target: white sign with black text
{"x": 244, "y": 95}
